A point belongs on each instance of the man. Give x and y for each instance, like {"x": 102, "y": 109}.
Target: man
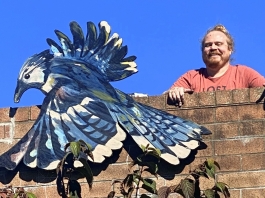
{"x": 217, "y": 47}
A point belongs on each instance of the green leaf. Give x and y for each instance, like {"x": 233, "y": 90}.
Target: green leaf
{"x": 73, "y": 196}
{"x": 210, "y": 172}
{"x": 210, "y": 162}
{"x": 75, "y": 148}
{"x": 30, "y": 195}
{"x": 210, "y": 166}
{"x": 209, "y": 193}
{"x": 144, "y": 148}
{"x": 128, "y": 182}
{"x": 86, "y": 171}
{"x": 154, "y": 152}
{"x": 223, "y": 187}
{"x": 187, "y": 187}
{"x": 83, "y": 143}
{"x": 149, "y": 185}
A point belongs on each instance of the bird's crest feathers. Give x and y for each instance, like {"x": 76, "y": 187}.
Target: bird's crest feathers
{"x": 97, "y": 49}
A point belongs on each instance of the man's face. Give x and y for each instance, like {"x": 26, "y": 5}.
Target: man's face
{"x": 216, "y": 52}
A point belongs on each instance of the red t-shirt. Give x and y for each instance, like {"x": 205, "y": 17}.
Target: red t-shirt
{"x": 236, "y": 77}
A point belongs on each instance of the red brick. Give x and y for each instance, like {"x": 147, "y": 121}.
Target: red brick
{"x": 34, "y": 112}
{"x": 234, "y": 193}
{"x": 207, "y": 152}
{"x": 253, "y": 161}
{"x": 229, "y": 162}
{"x": 200, "y": 116}
{"x": 223, "y": 97}
{"x": 7, "y": 131}
{"x": 211, "y": 128}
{"x": 240, "y": 96}
{"x": 157, "y": 102}
{"x": 191, "y": 100}
{"x": 2, "y": 131}
{"x": 252, "y": 128}
{"x": 248, "y": 179}
{"x": 22, "y": 114}
{"x": 226, "y": 114}
{"x": 99, "y": 189}
{"x": 255, "y": 94}
{"x": 21, "y": 128}
{"x": 118, "y": 171}
{"x": 51, "y": 191}
{"x": 242, "y": 145}
{"x": 253, "y": 193}
{"x": 249, "y": 112}
{"x": 206, "y": 98}
{"x": 4, "y": 115}
{"x": 226, "y": 130}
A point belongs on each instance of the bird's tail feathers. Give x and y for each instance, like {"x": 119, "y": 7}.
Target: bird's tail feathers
{"x": 100, "y": 50}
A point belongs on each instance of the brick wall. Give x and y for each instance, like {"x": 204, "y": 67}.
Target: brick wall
{"x": 236, "y": 119}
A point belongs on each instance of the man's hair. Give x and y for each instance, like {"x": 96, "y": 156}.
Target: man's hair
{"x": 220, "y": 28}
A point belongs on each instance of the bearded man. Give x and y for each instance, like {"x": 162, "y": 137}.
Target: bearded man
{"x": 217, "y": 46}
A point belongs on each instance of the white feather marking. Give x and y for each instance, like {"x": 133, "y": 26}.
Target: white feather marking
{"x": 86, "y": 101}
{"x": 180, "y": 151}
{"x": 118, "y": 42}
{"x": 170, "y": 158}
{"x": 98, "y": 157}
{"x": 121, "y": 135}
{"x": 114, "y": 144}
{"x": 140, "y": 140}
{"x": 81, "y": 110}
{"x": 132, "y": 65}
{"x": 106, "y": 25}
{"x": 33, "y": 164}
{"x": 52, "y": 165}
{"x": 192, "y": 144}
{"x": 104, "y": 150}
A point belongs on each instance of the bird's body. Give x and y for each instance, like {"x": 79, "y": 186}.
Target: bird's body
{"x": 80, "y": 103}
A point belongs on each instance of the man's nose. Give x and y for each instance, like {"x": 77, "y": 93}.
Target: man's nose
{"x": 213, "y": 46}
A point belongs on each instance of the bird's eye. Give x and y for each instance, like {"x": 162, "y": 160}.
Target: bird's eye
{"x": 27, "y": 76}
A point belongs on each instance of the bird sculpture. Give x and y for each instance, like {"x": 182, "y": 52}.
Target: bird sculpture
{"x": 81, "y": 104}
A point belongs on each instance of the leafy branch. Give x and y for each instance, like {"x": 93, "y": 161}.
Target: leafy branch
{"x": 75, "y": 160}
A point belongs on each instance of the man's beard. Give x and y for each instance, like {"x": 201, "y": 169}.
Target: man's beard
{"x": 214, "y": 62}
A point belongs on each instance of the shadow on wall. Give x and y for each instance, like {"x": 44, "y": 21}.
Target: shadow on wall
{"x": 166, "y": 170}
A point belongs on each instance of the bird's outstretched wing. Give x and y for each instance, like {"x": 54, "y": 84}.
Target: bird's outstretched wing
{"x": 43, "y": 145}
{"x": 80, "y": 103}
{"x": 102, "y": 51}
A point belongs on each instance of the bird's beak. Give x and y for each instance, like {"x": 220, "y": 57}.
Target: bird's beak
{"x": 20, "y": 89}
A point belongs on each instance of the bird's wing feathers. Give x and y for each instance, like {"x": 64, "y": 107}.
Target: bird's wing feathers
{"x": 102, "y": 51}
{"x": 174, "y": 136}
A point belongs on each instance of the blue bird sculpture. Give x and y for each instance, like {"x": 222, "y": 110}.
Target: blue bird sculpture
{"x": 81, "y": 104}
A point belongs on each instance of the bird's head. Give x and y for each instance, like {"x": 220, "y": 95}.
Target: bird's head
{"x": 33, "y": 73}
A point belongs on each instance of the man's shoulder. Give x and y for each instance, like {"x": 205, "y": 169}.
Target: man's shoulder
{"x": 197, "y": 71}
{"x": 240, "y": 66}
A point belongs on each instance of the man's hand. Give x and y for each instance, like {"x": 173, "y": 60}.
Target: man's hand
{"x": 176, "y": 95}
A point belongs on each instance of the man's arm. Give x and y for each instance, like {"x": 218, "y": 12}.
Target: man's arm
{"x": 177, "y": 90}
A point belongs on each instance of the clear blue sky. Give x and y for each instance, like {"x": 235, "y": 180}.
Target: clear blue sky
{"x": 164, "y": 35}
